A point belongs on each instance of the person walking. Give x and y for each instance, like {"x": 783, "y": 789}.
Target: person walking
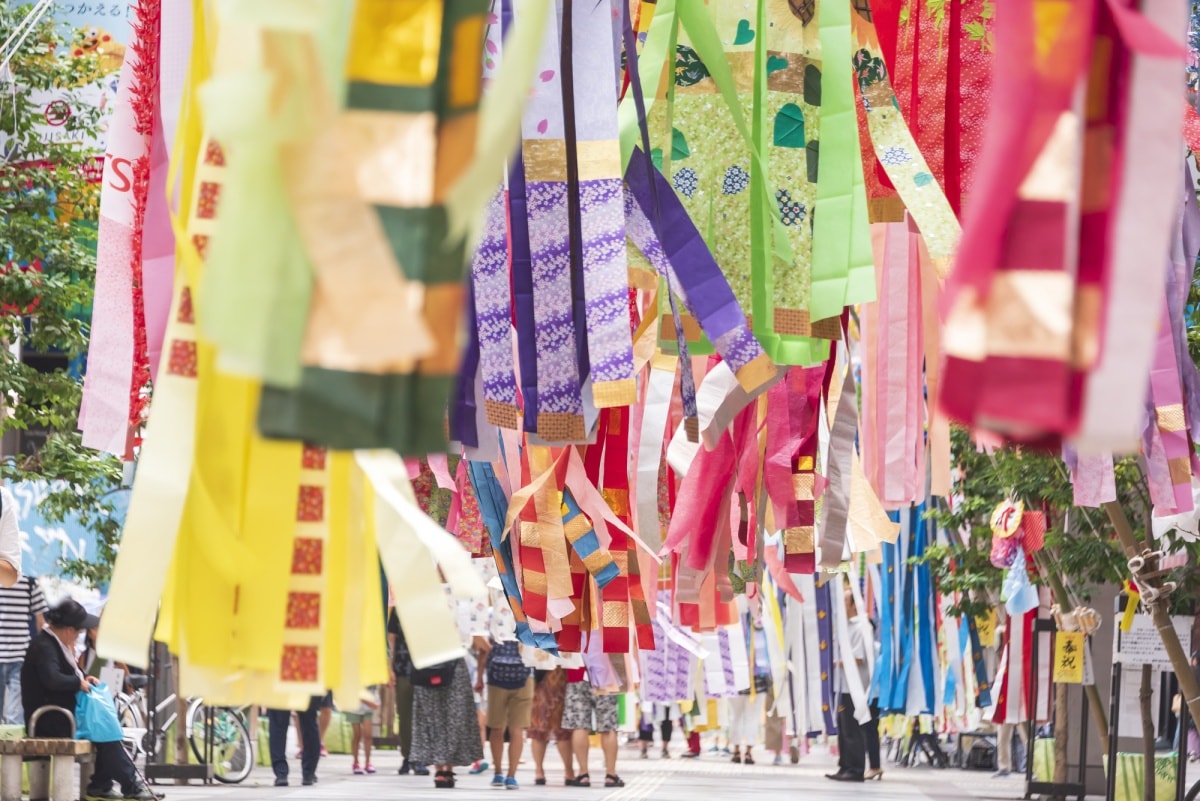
{"x": 855, "y": 741}
{"x": 21, "y": 604}
{"x": 445, "y": 726}
{"x": 585, "y": 711}
{"x": 310, "y": 736}
{"x": 401, "y": 665}
{"x": 362, "y": 723}
{"x": 549, "y": 697}
{"x": 509, "y": 707}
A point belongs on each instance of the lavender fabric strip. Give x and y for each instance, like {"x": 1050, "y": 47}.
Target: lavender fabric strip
{"x": 548, "y": 216}
{"x": 493, "y": 309}
{"x": 602, "y": 223}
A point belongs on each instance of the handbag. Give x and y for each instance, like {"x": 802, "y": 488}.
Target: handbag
{"x": 435, "y": 676}
{"x": 96, "y": 716}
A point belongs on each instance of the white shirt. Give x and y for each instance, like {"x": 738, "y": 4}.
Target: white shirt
{"x": 859, "y": 628}
{"x": 10, "y": 534}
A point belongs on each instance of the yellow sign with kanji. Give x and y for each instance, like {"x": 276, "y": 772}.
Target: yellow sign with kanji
{"x": 1068, "y": 657}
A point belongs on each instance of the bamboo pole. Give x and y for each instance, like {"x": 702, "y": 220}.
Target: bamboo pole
{"x": 1099, "y": 714}
{"x": 1162, "y": 618}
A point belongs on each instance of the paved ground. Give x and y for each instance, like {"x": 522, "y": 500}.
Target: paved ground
{"x": 711, "y": 777}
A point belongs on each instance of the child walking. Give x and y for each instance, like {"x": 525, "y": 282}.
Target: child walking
{"x": 362, "y": 725}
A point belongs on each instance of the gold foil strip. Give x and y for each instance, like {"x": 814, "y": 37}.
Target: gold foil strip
{"x": 545, "y": 159}
{"x": 616, "y": 614}
{"x": 598, "y": 159}
{"x": 1030, "y": 315}
{"x": 611, "y": 394}
{"x": 1181, "y": 470}
{"x": 1170, "y": 418}
{"x": 799, "y": 539}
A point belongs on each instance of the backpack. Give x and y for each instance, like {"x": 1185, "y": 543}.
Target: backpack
{"x": 435, "y": 676}
{"x": 505, "y": 668}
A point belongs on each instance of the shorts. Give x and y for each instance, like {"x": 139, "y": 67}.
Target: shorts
{"x": 548, "y": 699}
{"x": 583, "y": 704}
{"x": 509, "y": 709}
{"x": 326, "y": 701}
{"x": 354, "y": 718}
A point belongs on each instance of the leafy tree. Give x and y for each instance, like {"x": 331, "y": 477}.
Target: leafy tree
{"x": 48, "y": 214}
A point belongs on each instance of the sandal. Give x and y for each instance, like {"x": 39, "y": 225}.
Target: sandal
{"x": 613, "y": 780}
{"x": 582, "y": 780}
{"x": 443, "y": 780}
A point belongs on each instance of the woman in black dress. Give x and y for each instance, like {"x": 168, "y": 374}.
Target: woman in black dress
{"x": 50, "y": 677}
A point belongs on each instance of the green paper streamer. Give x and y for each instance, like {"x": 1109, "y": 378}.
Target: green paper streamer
{"x": 843, "y": 265}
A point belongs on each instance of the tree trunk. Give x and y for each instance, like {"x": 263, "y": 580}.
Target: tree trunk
{"x": 1096, "y": 706}
{"x": 1144, "y": 697}
{"x": 1062, "y": 734}
{"x": 1180, "y": 663}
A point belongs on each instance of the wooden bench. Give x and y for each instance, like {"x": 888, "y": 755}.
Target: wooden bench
{"x": 51, "y": 764}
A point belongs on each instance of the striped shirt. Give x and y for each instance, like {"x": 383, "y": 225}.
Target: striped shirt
{"x": 15, "y": 613}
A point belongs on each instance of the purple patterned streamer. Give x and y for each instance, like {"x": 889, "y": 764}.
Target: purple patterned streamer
{"x": 493, "y": 309}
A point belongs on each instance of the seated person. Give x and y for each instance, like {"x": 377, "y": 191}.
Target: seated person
{"x": 50, "y": 677}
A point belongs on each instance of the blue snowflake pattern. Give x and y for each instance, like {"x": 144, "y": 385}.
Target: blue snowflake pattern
{"x": 894, "y": 156}
{"x": 685, "y": 182}
{"x": 736, "y": 180}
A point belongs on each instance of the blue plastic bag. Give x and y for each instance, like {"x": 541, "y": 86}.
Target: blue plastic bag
{"x": 96, "y": 716}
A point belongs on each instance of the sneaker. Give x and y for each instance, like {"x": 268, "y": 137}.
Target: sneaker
{"x": 405, "y": 768}
{"x": 666, "y": 754}
{"x": 511, "y": 783}
{"x": 479, "y": 767}
{"x": 309, "y": 781}
{"x": 101, "y": 795}
{"x": 281, "y": 781}
{"x": 357, "y": 768}
{"x": 419, "y": 769}
{"x": 143, "y": 793}
{"x": 1000, "y": 774}
{"x": 324, "y": 751}
{"x": 778, "y": 759}
{"x": 498, "y": 780}
{"x": 370, "y": 769}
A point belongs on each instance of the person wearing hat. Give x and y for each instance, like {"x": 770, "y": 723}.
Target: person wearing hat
{"x": 50, "y": 677}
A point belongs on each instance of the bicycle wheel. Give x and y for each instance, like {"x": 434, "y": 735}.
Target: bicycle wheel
{"x": 1193, "y": 793}
{"x": 133, "y": 727}
{"x": 233, "y": 756}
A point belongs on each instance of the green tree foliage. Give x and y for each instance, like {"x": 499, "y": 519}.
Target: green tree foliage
{"x": 1081, "y": 548}
{"x": 48, "y": 214}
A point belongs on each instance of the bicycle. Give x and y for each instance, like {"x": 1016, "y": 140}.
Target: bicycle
{"x": 222, "y": 729}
